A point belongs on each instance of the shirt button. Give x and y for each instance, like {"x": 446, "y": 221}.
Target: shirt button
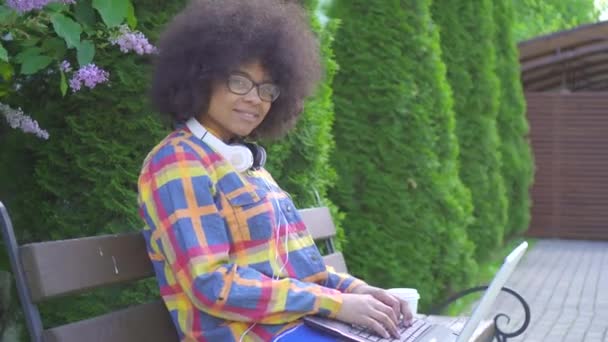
{"x": 314, "y": 258}
{"x": 288, "y": 208}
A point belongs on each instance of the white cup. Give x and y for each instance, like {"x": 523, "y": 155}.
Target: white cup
{"x": 411, "y": 296}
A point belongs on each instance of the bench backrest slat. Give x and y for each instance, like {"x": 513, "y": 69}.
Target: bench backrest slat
{"x": 336, "y": 260}
{"x": 57, "y": 268}
{"x": 319, "y": 223}
{"x": 145, "y": 322}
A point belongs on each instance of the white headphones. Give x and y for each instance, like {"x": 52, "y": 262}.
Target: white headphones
{"x": 239, "y": 156}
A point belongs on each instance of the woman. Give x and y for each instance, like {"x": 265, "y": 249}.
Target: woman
{"x": 232, "y": 256}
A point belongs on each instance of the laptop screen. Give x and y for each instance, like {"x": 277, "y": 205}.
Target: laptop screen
{"x": 485, "y": 304}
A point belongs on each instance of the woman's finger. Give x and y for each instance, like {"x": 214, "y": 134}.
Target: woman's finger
{"x": 390, "y": 312}
{"x": 406, "y": 312}
{"x": 390, "y": 300}
{"x": 384, "y": 319}
{"x": 372, "y": 324}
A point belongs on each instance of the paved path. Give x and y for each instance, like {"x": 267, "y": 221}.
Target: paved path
{"x": 566, "y": 284}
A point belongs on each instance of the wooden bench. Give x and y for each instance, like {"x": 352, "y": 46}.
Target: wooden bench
{"x": 52, "y": 269}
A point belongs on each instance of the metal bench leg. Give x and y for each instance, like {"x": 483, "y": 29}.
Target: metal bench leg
{"x": 32, "y": 316}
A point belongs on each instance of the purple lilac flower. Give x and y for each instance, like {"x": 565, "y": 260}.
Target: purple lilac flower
{"x": 90, "y": 75}
{"x": 65, "y": 66}
{"x": 133, "y": 41}
{"x": 23, "y": 6}
{"x": 17, "y": 119}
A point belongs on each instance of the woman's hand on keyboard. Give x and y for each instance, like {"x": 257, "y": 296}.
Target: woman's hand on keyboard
{"x": 367, "y": 311}
{"x": 398, "y": 305}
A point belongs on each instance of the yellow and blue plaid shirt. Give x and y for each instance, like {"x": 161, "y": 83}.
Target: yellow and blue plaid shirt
{"x": 211, "y": 234}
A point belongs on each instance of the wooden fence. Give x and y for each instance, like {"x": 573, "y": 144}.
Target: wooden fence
{"x": 569, "y": 136}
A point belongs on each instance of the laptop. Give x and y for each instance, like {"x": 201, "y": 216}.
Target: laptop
{"x": 421, "y": 330}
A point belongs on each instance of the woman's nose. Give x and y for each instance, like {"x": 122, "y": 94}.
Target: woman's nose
{"x": 252, "y": 96}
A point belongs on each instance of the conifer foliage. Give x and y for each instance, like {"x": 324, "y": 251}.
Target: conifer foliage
{"x": 468, "y": 49}
{"x": 517, "y": 163}
{"x": 396, "y": 152}
{"x": 300, "y": 162}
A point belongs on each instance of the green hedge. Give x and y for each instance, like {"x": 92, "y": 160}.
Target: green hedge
{"x": 300, "y": 162}
{"x": 468, "y": 49}
{"x": 396, "y": 152}
{"x": 517, "y": 164}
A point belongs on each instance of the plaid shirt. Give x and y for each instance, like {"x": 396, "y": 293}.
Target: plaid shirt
{"x": 211, "y": 234}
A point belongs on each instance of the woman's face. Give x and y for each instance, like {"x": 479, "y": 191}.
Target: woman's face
{"x": 229, "y": 114}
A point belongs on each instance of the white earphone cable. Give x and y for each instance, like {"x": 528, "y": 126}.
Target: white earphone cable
{"x": 277, "y": 241}
{"x": 281, "y": 215}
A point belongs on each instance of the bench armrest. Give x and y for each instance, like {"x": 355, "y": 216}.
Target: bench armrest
{"x": 500, "y": 335}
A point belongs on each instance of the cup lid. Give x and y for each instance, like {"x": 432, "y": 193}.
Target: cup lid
{"x": 406, "y": 292}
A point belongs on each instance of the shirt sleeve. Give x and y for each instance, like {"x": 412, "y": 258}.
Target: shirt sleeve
{"x": 176, "y": 195}
{"x": 342, "y": 282}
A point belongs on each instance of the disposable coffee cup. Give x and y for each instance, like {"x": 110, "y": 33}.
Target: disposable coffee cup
{"x": 411, "y": 296}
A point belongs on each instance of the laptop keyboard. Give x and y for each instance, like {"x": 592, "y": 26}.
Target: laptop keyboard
{"x": 418, "y": 327}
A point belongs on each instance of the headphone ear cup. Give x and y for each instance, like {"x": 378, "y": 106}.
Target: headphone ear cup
{"x": 259, "y": 155}
{"x": 259, "y": 158}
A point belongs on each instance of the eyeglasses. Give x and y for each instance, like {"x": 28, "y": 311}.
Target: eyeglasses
{"x": 241, "y": 85}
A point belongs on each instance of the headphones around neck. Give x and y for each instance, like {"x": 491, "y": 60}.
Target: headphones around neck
{"x": 243, "y": 156}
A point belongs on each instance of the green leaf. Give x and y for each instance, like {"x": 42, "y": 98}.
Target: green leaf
{"x": 54, "y": 47}
{"x": 6, "y": 71}
{"x": 33, "y": 64}
{"x": 67, "y": 29}
{"x": 63, "y": 84}
{"x": 113, "y": 12}
{"x": 28, "y": 52}
{"x": 84, "y": 13}
{"x": 3, "y": 53}
{"x": 131, "y": 18}
{"x": 30, "y": 42}
{"x": 7, "y": 15}
{"x": 6, "y": 74}
{"x": 55, "y": 7}
{"x": 86, "y": 52}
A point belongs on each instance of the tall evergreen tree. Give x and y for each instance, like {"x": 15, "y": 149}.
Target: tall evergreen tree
{"x": 300, "y": 162}
{"x": 538, "y": 17}
{"x": 467, "y": 41}
{"x": 517, "y": 164}
{"x": 396, "y": 152}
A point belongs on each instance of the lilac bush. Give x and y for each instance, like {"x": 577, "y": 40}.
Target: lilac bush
{"x": 23, "y": 6}
{"x": 89, "y": 75}
{"x": 28, "y": 26}
{"x": 65, "y": 66}
{"x": 18, "y": 120}
{"x": 129, "y": 40}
